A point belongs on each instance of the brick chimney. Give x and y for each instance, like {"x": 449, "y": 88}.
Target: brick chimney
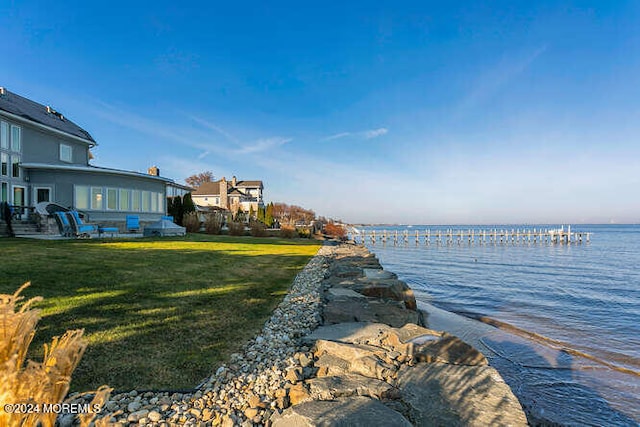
{"x": 234, "y": 181}
{"x": 153, "y": 170}
{"x": 224, "y": 200}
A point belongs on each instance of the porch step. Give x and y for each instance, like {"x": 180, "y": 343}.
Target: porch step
{"x": 22, "y": 228}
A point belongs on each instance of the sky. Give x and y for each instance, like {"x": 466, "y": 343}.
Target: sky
{"x": 371, "y": 112}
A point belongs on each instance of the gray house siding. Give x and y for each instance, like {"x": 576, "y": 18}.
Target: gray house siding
{"x": 64, "y": 184}
{"x": 42, "y": 147}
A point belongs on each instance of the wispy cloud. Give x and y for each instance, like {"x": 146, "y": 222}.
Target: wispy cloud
{"x": 263, "y": 144}
{"x": 374, "y": 133}
{"x": 336, "y": 136}
{"x": 203, "y": 155}
{"x": 491, "y": 81}
{"x": 365, "y": 134}
{"x": 210, "y": 125}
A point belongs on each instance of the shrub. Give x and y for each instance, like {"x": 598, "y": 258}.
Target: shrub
{"x": 335, "y": 230}
{"x": 46, "y": 382}
{"x": 191, "y": 222}
{"x": 213, "y": 224}
{"x": 288, "y": 232}
{"x": 304, "y": 232}
{"x": 257, "y": 229}
{"x": 236, "y": 228}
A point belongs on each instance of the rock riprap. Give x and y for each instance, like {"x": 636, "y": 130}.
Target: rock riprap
{"x": 346, "y": 347}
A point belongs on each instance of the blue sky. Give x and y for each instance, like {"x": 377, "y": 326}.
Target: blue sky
{"x": 409, "y": 112}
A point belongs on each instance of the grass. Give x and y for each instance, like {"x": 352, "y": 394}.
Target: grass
{"x": 157, "y": 313}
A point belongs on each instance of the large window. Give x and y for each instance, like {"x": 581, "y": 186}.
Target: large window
{"x": 66, "y": 153}
{"x": 125, "y": 197}
{"x": 146, "y": 201}
{"x": 117, "y": 199}
{"x": 16, "y": 135}
{"x": 15, "y": 166}
{"x": 96, "y": 198}
{"x": 4, "y": 135}
{"x": 135, "y": 200}
{"x": 4, "y": 192}
{"x": 82, "y": 197}
{"x": 112, "y": 199}
{"x": 4, "y": 164}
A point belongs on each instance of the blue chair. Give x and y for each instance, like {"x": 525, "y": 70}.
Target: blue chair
{"x": 168, "y": 217}
{"x": 133, "y": 223}
{"x": 81, "y": 228}
{"x": 63, "y": 224}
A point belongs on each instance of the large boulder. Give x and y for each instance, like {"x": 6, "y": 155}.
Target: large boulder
{"x": 343, "y": 412}
{"x": 332, "y": 387}
{"x": 351, "y": 309}
{"x": 388, "y": 288}
{"x": 457, "y": 395}
{"x": 348, "y": 332}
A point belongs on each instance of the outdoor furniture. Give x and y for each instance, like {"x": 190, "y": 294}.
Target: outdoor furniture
{"x": 133, "y": 223}
{"x": 112, "y": 230}
{"x": 63, "y": 224}
{"x": 81, "y": 228}
{"x": 167, "y": 217}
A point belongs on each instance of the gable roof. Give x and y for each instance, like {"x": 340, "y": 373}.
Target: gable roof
{"x": 249, "y": 184}
{"x": 34, "y": 112}
{"x": 213, "y": 188}
{"x": 208, "y": 188}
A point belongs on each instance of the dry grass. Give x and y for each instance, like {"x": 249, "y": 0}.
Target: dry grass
{"x": 31, "y": 383}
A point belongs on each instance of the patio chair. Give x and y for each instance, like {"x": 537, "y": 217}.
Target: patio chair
{"x": 168, "y": 217}
{"x": 133, "y": 223}
{"x": 81, "y": 228}
{"x": 63, "y": 224}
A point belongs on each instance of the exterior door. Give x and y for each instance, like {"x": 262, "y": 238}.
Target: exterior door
{"x": 19, "y": 197}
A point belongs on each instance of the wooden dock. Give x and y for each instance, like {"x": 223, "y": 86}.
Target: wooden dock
{"x": 482, "y": 237}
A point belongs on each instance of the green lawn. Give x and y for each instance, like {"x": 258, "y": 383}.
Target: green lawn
{"x": 158, "y": 313}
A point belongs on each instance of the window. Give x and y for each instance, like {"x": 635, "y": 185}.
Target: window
{"x": 82, "y": 197}
{"x": 66, "y": 153}
{"x": 43, "y": 195}
{"x": 161, "y": 200}
{"x": 4, "y": 135}
{"x": 154, "y": 202}
{"x": 16, "y": 132}
{"x": 146, "y": 201}
{"x": 112, "y": 199}
{"x": 96, "y": 198}
{"x": 4, "y": 160}
{"x": 135, "y": 200}
{"x": 15, "y": 168}
{"x": 125, "y": 196}
{"x": 4, "y": 190}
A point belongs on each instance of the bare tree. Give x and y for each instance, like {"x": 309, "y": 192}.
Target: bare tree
{"x": 197, "y": 180}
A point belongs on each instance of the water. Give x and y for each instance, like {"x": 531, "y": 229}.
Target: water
{"x": 568, "y": 315}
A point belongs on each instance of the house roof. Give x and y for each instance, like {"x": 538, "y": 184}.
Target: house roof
{"x": 93, "y": 169}
{"x": 208, "y": 188}
{"x": 25, "y": 108}
{"x": 213, "y": 188}
{"x": 249, "y": 184}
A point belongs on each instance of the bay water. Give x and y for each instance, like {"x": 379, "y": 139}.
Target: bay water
{"x": 565, "y": 318}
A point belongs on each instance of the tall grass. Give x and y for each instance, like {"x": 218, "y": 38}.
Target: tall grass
{"x": 31, "y": 383}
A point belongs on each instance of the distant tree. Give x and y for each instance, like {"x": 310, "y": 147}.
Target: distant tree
{"x": 335, "y": 230}
{"x": 268, "y": 215}
{"x": 261, "y": 214}
{"x": 176, "y": 210}
{"x": 187, "y": 204}
{"x": 252, "y": 213}
{"x": 197, "y": 180}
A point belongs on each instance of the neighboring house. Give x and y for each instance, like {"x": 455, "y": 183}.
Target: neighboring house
{"x": 230, "y": 195}
{"x": 45, "y": 158}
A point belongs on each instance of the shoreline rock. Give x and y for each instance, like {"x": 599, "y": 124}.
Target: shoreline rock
{"x": 346, "y": 345}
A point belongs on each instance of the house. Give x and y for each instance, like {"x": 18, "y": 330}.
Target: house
{"x": 230, "y": 195}
{"x": 44, "y": 157}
